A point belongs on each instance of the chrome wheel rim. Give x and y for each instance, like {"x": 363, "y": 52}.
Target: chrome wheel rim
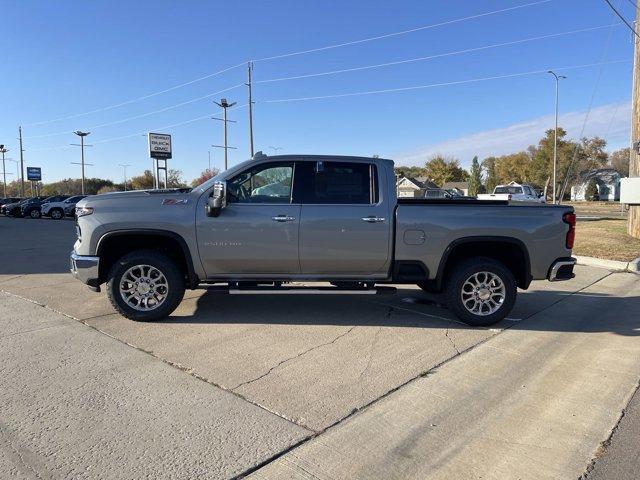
{"x": 56, "y": 214}
{"x": 144, "y": 288}
{"x": 35, "y": 214}
{"x": 483, "y": 293}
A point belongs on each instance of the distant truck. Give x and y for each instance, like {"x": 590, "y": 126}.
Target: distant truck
{"x": 514, "y": 192}
{"x": 290, "y": 218}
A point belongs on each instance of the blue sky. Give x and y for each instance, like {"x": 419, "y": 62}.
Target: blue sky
{"x": 60, "y": 59}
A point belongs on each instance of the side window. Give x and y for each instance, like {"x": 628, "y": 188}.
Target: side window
{"x": 340, "y": 183}
{"x": 528, "y": 191}
{"x": 269, "y": 183}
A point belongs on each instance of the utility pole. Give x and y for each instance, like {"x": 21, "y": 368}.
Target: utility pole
{"x": 555, "y": 136}
{"x": 4, "y": 172}
{"x": 249, "y": 69}
{"x": 124, "y": 166}
{"x": 81, "y": 145}
{"x": 21, "y": 163}
{"x": 224, "y": 105}
{"x": 633, "y": 225}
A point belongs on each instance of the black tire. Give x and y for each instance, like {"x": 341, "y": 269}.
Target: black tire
{"x": 168, "y": 268}
{"x": 462, "y": 272}
{"x": 56, "y": 214}
{"x": 34, "y": 213}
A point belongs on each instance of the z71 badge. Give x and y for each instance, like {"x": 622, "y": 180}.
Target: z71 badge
{"x": 175, "y": 201}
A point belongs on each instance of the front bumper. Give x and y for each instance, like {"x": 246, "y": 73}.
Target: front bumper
{"x": 562, "y": 269}
{"x": 86, "y": 269}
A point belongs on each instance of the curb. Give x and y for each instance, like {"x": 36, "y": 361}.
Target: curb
{"x": 633, "y": 266}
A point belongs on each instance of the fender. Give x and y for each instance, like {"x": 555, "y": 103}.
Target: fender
{"x": 191, "y": 274}
{"x": 485, "y": 239}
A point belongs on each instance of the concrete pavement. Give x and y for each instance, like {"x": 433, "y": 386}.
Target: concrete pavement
{"x": 315, "y": 360}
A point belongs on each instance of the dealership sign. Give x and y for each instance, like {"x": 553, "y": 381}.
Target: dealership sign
{"x": 159, "y": 145}
{"x": 34, "y": 174}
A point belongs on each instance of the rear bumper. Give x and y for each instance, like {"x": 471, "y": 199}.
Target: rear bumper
{"x": 562, "y": 269}
{"x": 86, "y": 269}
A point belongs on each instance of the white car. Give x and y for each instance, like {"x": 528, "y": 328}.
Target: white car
{"x": 514, "y": 192}
{"x": 57, "y": 210}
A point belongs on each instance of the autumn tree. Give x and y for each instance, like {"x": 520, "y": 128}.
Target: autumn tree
{"x": 620, "y": 161}
{"x": 402, "y": 171}
{"x": 206, "y": 174}
{"x": 442, "y": 169}
{"x": 142, "y": 182}
{"x": 489, "y": 165}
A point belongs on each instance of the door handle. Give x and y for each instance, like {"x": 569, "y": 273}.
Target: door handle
{"x": 283, "y": 218}
{"x": 373, "y": 219}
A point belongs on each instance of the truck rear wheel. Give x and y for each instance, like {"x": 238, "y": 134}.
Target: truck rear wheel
{"x": 481, "y": 291}
{"x": 145, "y": 286}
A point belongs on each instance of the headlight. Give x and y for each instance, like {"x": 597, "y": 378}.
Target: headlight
{"x": 82, "y": 211}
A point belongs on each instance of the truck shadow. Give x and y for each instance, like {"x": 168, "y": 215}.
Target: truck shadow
{"x": 536, "y": 310}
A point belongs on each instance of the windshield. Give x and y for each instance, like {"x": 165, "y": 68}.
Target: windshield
{"x": 511, "y": 190}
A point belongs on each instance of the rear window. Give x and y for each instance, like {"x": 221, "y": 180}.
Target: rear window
{"x": 511, "y": 190}
{"x": 339, "y": 183}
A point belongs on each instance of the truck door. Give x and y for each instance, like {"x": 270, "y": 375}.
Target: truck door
{"x": 345, "y": 226}
{"x": 257, "y": 232}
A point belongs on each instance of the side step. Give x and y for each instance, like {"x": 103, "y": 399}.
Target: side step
{"x": 301, "y": 290}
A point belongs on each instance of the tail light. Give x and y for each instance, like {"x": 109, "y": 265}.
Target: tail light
{"x": 570, "y": 219}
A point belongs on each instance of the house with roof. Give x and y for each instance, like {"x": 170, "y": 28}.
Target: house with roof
{"x": 462, "y": 188}
{"x": 607, "y": 181}
{"x": 414, "y": 186}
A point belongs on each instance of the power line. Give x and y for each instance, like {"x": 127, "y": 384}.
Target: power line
{"x": 622, "y": 18}
{"x": 431, "y": 57}
{"x": 432, "y": 85}
{"x": 290, "y": 54}
{"x": 142, "y": 115}
{"x": 402, "y": 32}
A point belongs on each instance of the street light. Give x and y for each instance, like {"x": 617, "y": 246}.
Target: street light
{"x": 4, "y": 171}
{"x": 555, "y": 135}
{"x": 81, "y": 135}
{"x": 224, "y": 105}
{"x": 124, "y": 167}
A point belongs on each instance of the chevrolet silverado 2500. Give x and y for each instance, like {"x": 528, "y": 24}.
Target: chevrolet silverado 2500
{"x": 271, "y": 220}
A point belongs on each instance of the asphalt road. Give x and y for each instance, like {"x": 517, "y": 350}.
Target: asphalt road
{"x": 328, "y": 386}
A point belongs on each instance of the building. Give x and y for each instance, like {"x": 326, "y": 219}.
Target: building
{"x": 607, "y": 180}
{"x": 462, "y": 188}
{"x": 414, "y": 186}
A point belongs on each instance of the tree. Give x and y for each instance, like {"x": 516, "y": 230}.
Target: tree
{"x": 491, "y": 181}
{"x": 513, "y": 167}
{"x": 620, "y": 161}
{"x": 410, "y": 171}
{"x": 475, "y": 177}
{"x": 204, "y": 176}
{"x": 591, "y": 191}
{"x": 142, "y": 182}
{"x": 592, "y": 154}
{"x": 108, "y": 189}
{"x": 441, "y": 170}
{"x": 174, "y": 179}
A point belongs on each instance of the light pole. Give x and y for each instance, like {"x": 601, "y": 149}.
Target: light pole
{"x": 124, "y": 167}
{"x": 4, "y": 172}
{"x": 275, "y": 149}
{"x": 555, "y": 135}
{"x": 81, "y": 135}
{"x": 224, "y": 105}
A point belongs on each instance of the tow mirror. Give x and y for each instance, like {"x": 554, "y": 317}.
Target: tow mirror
{"x": 218, "y": 199}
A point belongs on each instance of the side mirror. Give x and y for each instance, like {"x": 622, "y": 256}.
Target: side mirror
{"x": 218, "y": 199}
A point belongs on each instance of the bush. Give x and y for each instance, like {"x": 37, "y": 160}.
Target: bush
{"x": 591, "y": 191}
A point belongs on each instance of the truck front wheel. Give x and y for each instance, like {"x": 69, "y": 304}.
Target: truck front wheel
{"x": 145, "y": 286}
{"x": 481, "y": 291}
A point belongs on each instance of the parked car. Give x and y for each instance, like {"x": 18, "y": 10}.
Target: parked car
{"x": 7, "y": 200}
{"x": 15, "y": 209}
{"x": 70, "y": 210}
{"x": 513, "y": 192}
{"x": 32, "y": 209}
{"x": 57, "y": 210}
{"x": 339, "y": 220}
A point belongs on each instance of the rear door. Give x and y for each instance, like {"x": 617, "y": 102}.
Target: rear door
{"x": 345, "y": 225}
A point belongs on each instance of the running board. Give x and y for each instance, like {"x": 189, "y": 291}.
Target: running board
{"x": 304, "y": 291}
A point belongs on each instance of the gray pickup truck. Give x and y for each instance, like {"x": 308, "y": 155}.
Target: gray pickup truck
{"x": 273, "y": 220}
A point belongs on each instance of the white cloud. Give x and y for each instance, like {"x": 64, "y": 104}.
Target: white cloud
{"x": 612, "y": 122}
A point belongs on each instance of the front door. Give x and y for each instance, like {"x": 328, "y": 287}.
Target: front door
{"x": 257, "y": 232}
{"x": 345, "y": 228}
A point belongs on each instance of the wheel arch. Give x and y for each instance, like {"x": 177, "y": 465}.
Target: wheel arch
{"x": 113, "y": 245}
{"x": 510, "y": 251}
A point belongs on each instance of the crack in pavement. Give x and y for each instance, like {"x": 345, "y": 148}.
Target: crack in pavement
{"x": 343, "y": 334}
{"x": 453, "y": 344}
